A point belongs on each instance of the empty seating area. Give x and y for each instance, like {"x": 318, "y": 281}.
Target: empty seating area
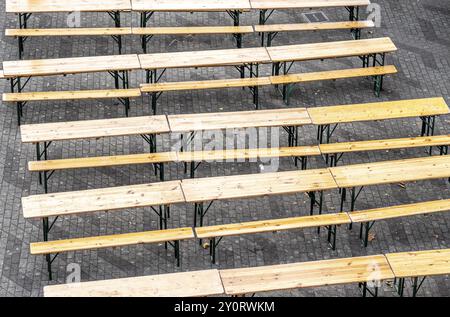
{"x": 155, "y": 169}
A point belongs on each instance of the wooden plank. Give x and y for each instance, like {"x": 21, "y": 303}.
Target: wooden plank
{"x": 193, "y": 30}
{"x": 185, "y": 284}
{"x": 102, "y": 161}
{"x": 255, "y": 185}
{"x": 400, "y": 211}
{"x": 314, "y": 26}
{"x": 387, "y": 144}
{"x": 210, "y": 58}
{"x": 379, "y": 173}
{"x": 324, "y": 50}
{"x": 2, "y": 75}
{"x": 239, "y": 119}
{"x": 73, "y": 65}
{"x": 379, "y": 111}
{"x": 421, "y": 263}
{"x": 206, "y": 84}
{"x": 111, "y": 241}
{"x": 48, "y": 6}
{"x": 333, "y": 74}
{"x": 305, "y": 4}
{"x": 102, "y": 199}
{"x": 68, "y": 32}
{"x": 306, "y": 274}
{"x": 90, "y": 129}
{"x": 72, "y": 95}
{"x": 190, "y": 6}
{"x": 271, "y": 225}
{"x": 248, "y": 154}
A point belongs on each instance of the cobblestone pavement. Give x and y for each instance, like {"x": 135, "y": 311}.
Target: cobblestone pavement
{"x": 419, "y": 29}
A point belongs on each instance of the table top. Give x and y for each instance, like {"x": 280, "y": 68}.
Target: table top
{"x": 305, "y": 274}
{"x": 421, "y": 263}
{"x": 185, "y": 284}
{"x": 305, "y": 4}
{"x": 324, "y": 50}
{"x": 256, "y": 185}
{"x": 190, "y": 5}
{"x": 209, "y": 58}
{"x": 47, "y": 6}
{"x": 73, "y": 65}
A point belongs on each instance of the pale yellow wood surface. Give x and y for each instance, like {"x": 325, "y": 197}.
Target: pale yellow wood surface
{"x": 102, "y": 199}
{"x": 209, "y": 58}
{"x": 387, "y": 144}
{"x": 421, "y": 263}
{"x": 192, "y": 30}
{"x": 240, "y": 119}
{"x": 185, "y": 284}
{"x": 324, "y": 50}
{"x": 408, "y": 170}
{"x": 333, "y": 74}
{"x": 34, "y": 6}
{"x": 88, "y": 129}
{"x": 190, "y": 5}
{"x": 110, "y": 241}
{"x": 272, "y": 225}
{"x": 206, "y": 84}
{"x": 2, "y": 75}
{"x": 69, "y": 95}
{"x": 315, "y": 26}
{"x": 68, "y": 32}
{"x": 401, "y": 211}
{"x": 248, "y": 154}
{"x": 102, "y": 161}
{"x": 306, "y": 274}
{"x": 255, "y": 185}
{"x": 305, "y": 4}
{"x": 379, "y": 111}
{"x": 73, "y": 65}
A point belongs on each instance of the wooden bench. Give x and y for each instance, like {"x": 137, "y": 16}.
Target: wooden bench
{"x": 21, "y": 99}
{"x": 367, "y": 218}
{"x": 417, "y": 266}
{"x": 216, "y": 233}
{"x": 207, "y": 283}
{"x": 171, "y": 236}
{"x": 426, "y": 109}
{"x": 273, "y": 30}
{"x": 362, "y": 270}
{"x": 147, "y": 33}
{"x": 337, "y": 150}
{"x": 23, "y": 34}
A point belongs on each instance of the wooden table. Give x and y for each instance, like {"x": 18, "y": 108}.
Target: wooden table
{"x": 418, "y": 264}
{"x": 186, "y": 284}
{"x": 267, "y": 7}
{"x": 49, "y": 6}
{"x": 203, "y": 190}
{"x": 307, "y": 274}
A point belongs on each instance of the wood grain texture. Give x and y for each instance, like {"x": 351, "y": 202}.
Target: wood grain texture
{"x": 88, "y": 129}
{"x": 102, "y": 199}
{"x": 306, "y": 274}
{"x": 239, "y": 119}
{"x": 43, "y": 6}
{"x": 379, "y": 111}
{"x": 186, "y": 284}
{"x": 314, "y": 26}
{"x": 305, "y": 4}
{"x": 193, "y": 30}
{"x": 68, "y": 32}
{"x": 325, "y": 50}
{"x": 421, "y": 263}
{"x": 379, "y": 173}
{"x": 190, "y": 6}
{"x": 72, "y": 95}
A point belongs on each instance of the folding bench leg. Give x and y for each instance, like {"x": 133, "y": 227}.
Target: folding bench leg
{"x": 213, "y": 244}
{"x": 332, "y": 233}
{"x": 364, "y": 232}
{"x": 366, "y": 290}
{"x": 314, "y": 201}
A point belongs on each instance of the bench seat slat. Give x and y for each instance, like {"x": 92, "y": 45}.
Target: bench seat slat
{"x": 314, "y": 26}
{"x": 193, "y": 30}
{"x": 305, "y": 4}
{"x": 102, "y": 199}
{"x": 400, "y": 211}
{"x": 110, "y": 241}
{"x": 72, "y": 95}
{"x": 68, "y": 32}
{"x": 271, "y": 225}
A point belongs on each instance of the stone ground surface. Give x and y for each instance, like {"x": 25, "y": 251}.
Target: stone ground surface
{"x": 419, "y": 29}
